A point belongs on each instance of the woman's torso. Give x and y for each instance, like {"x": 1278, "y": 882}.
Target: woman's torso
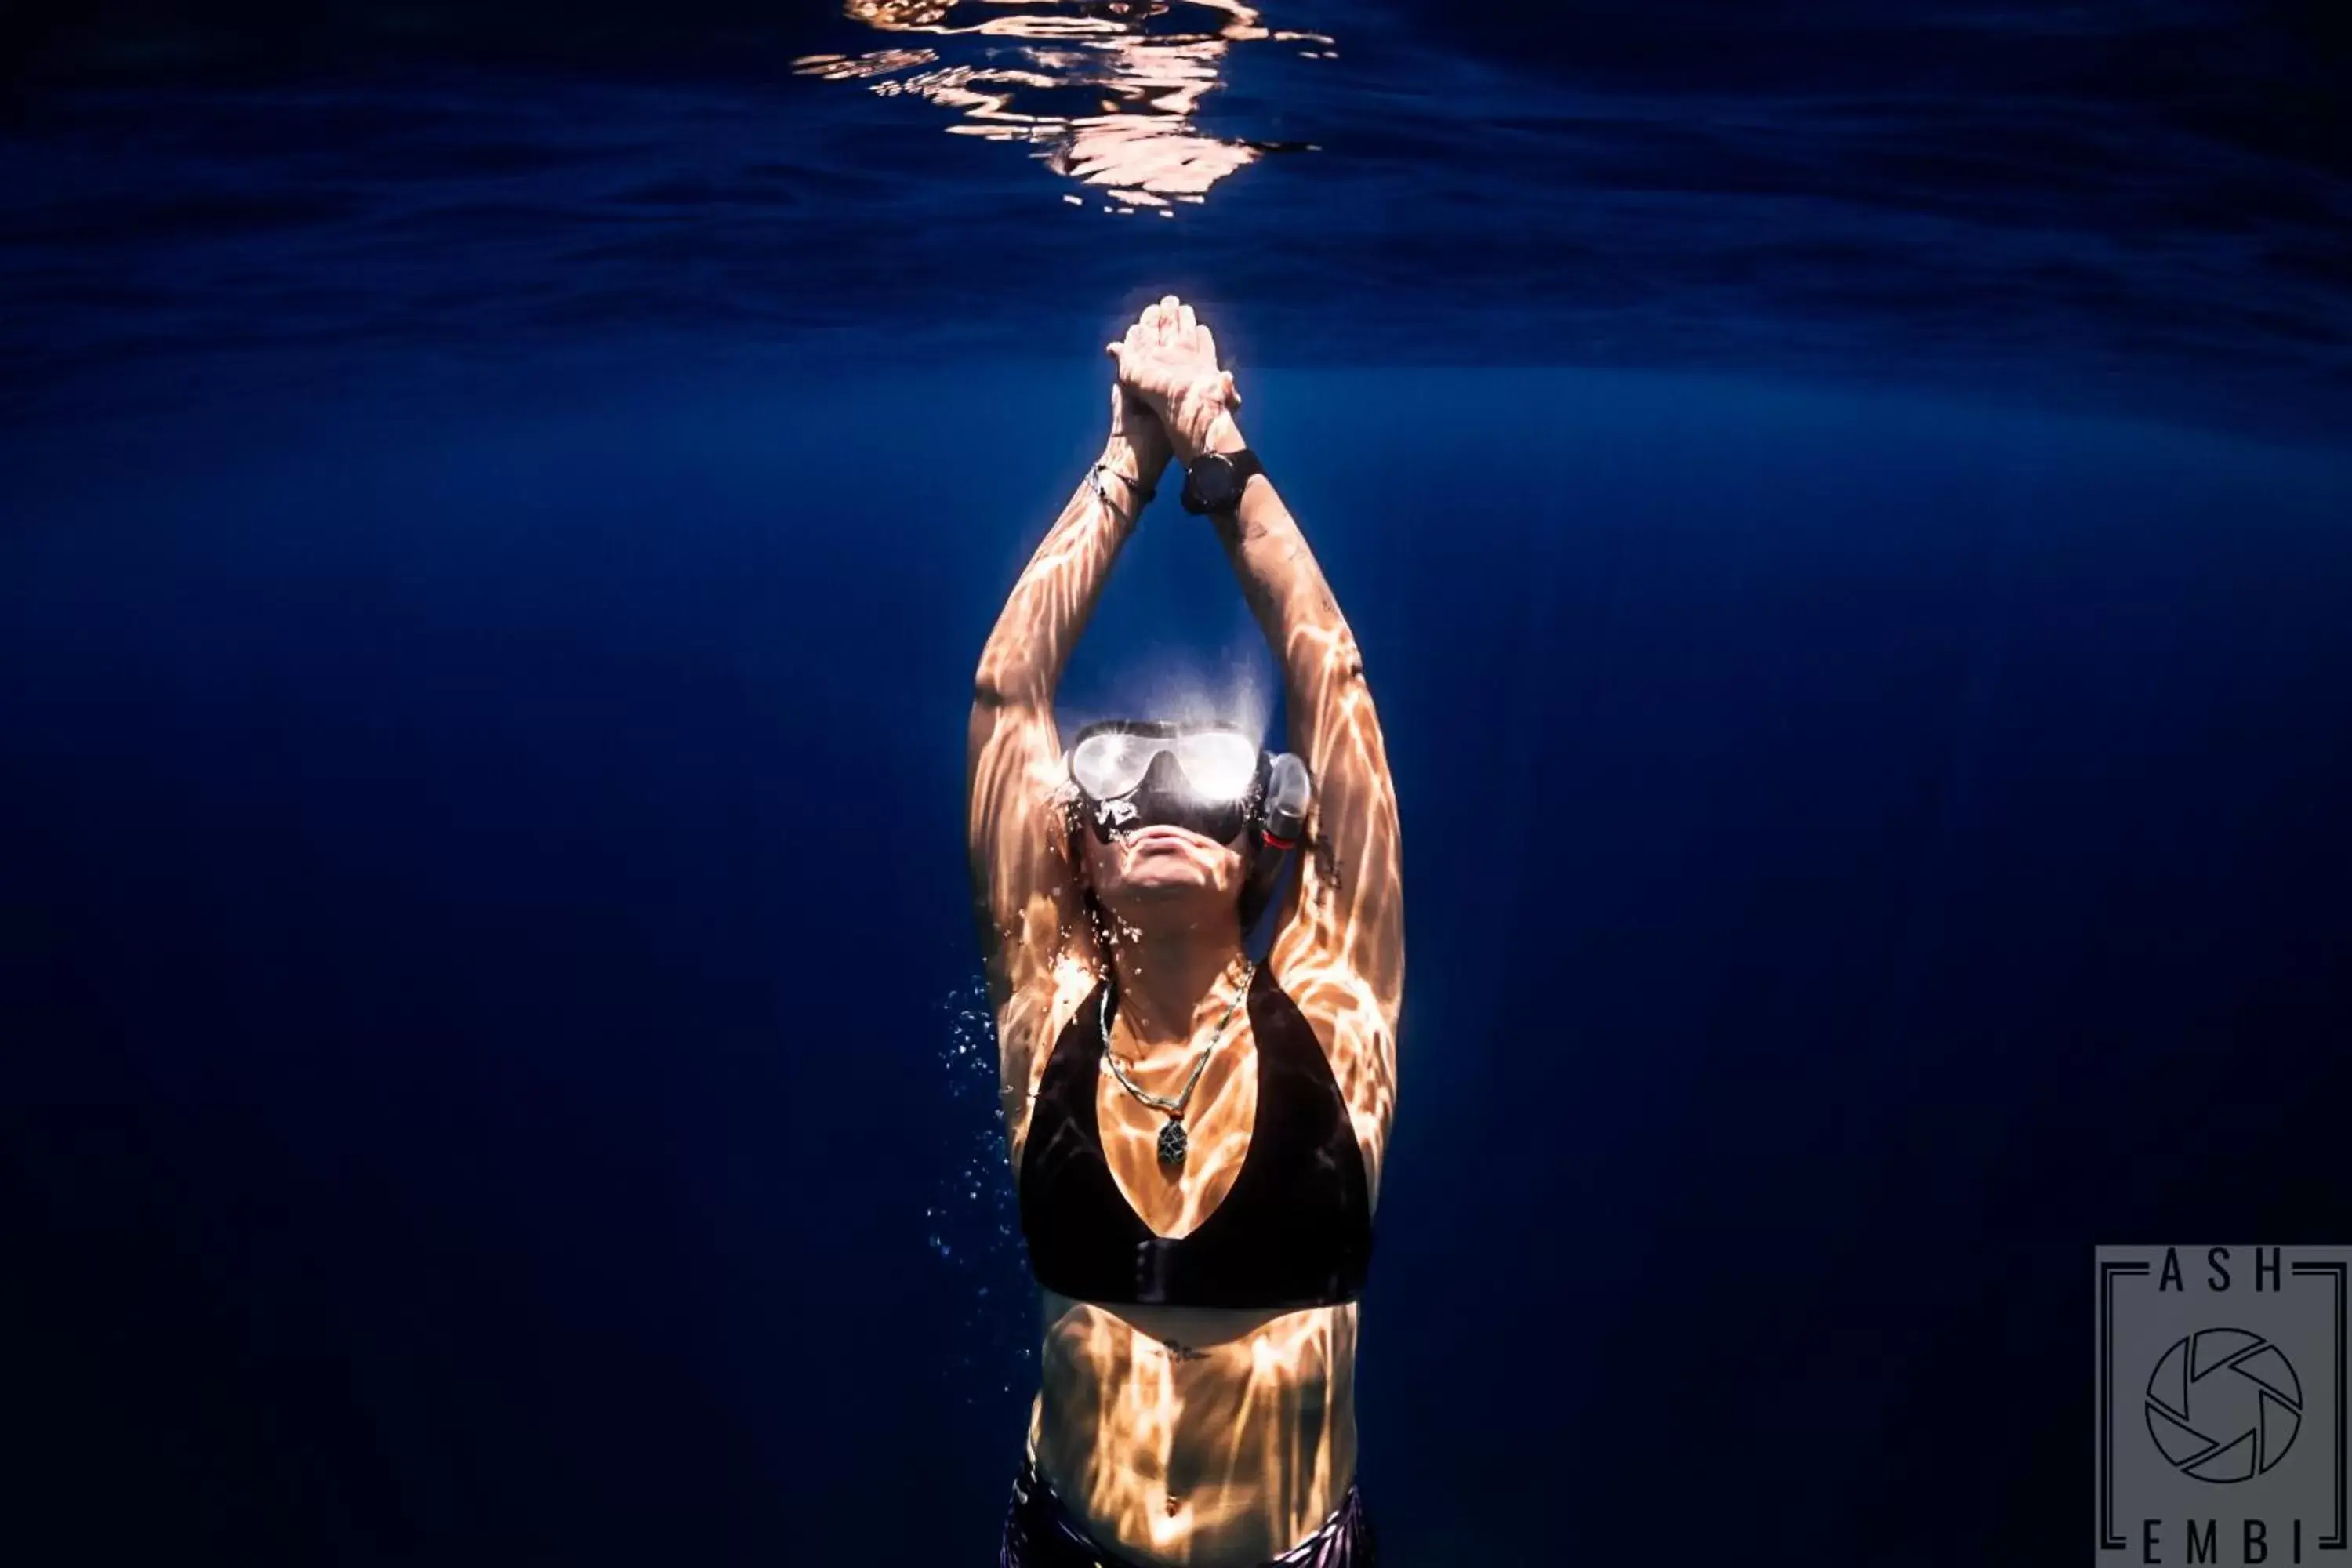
{"x": 1189, "y": 1433}
{"x": 1196, "y": 1434}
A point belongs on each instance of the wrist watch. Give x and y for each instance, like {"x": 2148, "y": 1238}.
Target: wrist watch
{"x": 1213, "y": 482}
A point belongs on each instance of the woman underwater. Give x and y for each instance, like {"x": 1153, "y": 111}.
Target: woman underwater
{"x": 1199, "y": 1216}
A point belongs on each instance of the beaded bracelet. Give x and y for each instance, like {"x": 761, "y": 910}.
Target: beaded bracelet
{"x": 1143, "y": 492}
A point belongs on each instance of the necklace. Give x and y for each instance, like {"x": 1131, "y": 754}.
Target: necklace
{"x": 1173, "y": 1142}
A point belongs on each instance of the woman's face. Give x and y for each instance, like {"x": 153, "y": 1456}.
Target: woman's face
{"x": 1158, "y": 875}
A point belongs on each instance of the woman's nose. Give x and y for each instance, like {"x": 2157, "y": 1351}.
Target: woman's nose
{"x": 1163, "y": 775}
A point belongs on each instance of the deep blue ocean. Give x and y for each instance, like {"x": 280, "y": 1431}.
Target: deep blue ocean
{"x": 1848, "y": 513}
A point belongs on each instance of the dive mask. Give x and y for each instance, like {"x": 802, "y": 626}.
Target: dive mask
{"x": 1210, "y": 779}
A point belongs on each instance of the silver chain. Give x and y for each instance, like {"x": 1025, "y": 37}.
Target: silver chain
{"x": 1161, "y": 1102}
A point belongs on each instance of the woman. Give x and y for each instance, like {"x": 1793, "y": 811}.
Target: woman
{"x": 1199, "y": 1216}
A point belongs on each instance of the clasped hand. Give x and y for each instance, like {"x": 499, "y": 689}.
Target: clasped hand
{"x": 1171, "y": 393}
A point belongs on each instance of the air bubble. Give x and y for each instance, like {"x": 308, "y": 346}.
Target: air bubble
{"x": 974, "y": 1215}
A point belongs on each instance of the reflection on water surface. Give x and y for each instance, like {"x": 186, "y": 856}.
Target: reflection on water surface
{"x": 1105, "y": 94}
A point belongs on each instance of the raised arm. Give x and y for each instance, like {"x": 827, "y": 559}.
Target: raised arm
{"x": 1023, "y": 893}
{"x": 1347, "y": 907}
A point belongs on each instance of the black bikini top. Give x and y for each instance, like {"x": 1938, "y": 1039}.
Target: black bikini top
{"x": 1295, "y": 1230}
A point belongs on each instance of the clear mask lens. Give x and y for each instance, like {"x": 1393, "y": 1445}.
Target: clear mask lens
{"x": 1217, "y": 765}
{"x": 1111, "y": 763}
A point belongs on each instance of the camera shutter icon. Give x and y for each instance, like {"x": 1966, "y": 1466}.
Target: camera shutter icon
{"x": 2223, "y": 1405}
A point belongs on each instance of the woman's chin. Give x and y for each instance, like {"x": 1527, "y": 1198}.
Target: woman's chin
{"x": 1172, "y": 893}
{"x": 1167, "y": 885}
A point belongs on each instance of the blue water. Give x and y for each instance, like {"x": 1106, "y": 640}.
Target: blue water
{"x": 500, "y": 521}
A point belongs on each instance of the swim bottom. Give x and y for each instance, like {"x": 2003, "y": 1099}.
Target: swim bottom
{"x": 1040, "y": 1533}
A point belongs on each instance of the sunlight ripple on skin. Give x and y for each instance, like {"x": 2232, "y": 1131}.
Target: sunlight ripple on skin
{"x": 1204, "y": 1435}
{"x": 1141, "y": 150}
{"x": 1187, "y": 1434}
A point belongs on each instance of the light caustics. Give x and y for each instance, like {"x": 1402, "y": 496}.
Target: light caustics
{"x": 1170, "y": 1426}
{"x": 1105, "y": 94}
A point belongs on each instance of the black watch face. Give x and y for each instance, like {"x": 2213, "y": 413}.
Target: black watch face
{"x": 1212, "y": 483}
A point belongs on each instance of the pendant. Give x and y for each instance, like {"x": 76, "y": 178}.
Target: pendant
{"x": 1172, "y": 1144}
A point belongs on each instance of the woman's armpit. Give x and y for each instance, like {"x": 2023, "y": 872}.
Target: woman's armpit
{"x": 1027, "y": 1028}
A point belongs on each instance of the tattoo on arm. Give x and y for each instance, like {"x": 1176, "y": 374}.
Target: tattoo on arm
{"x": 1327, "y": 864}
